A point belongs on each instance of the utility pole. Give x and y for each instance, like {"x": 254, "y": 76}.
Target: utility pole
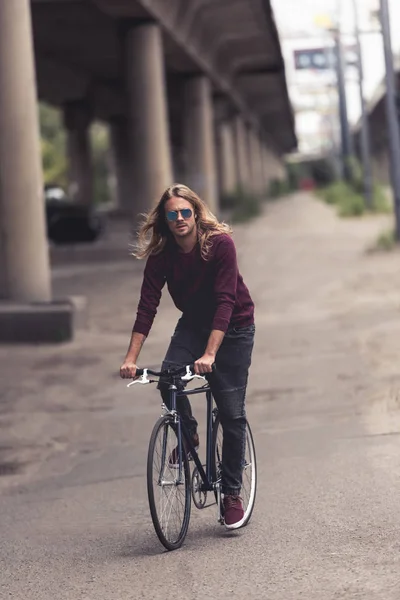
{"x": 344, "y": 121}
{"x": 391, "y": 112}
{"x": 337, "y": 64}
{"x": 364, "y": 134}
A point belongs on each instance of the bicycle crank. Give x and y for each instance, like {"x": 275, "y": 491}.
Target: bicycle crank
{"x": 199, "y": 496}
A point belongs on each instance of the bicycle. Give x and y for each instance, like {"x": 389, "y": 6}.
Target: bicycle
{"x": 170, "y": 484}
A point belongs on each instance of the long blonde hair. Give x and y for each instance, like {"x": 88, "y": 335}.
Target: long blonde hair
{"x": 154, "y": 233}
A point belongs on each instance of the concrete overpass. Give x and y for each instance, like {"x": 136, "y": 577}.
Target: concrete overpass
{"x": 193, "y": 90}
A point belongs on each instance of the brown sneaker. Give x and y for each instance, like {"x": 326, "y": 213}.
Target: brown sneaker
{"x": 173, "y": 461}
{"x": 233, "y": 512}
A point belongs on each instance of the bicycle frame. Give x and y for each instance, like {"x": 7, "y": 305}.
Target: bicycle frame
{"x": 206, "y": 475}
{"x": 174, "y": 470}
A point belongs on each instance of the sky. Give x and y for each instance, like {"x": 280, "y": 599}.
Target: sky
{"x": 299, "y": 25}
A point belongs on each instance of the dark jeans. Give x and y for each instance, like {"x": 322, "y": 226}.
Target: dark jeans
{"x": 228, "y": 385}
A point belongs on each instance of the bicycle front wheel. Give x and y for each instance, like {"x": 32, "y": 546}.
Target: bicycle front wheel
{"x": 249, "y": 473}
{"x": 168, "y": 486}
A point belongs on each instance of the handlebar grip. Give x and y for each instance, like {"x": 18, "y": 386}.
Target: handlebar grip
{"x": 214, "y": 367}
{"x": 139, "y": 372}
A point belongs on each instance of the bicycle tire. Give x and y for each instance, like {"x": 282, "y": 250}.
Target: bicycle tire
{"x": 249, "y": 486}
{"x": 164, "y": 477}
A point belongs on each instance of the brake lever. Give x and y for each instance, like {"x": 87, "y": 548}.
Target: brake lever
{"x": 189, "y": 376}
{"x": 142, "y": 380}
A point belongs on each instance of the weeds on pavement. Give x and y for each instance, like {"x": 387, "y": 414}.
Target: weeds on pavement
{"x": 386, "y": 242}
{"x": 350, "y": 202}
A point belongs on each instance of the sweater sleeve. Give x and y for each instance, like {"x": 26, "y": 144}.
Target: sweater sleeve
{"x": 153, "y": 282}
{"x": 225, "y": 284}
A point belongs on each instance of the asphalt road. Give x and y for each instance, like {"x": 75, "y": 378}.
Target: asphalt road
{"x": 324, "y": 406}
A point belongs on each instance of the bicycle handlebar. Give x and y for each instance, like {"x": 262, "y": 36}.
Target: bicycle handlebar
{"x": 187, "y": 374}
{"x": 168, "y": 372}
{"x": 165, "y": 372}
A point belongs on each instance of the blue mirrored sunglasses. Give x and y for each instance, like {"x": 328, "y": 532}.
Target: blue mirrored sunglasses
{"x": 186, "y": 213}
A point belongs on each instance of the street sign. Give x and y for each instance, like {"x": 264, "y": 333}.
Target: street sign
{"x": 322, "y": 59}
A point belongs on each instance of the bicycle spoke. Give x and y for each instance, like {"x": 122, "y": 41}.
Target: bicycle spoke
{"x": 169, "y": 492}
{"x": 249, "y": 473}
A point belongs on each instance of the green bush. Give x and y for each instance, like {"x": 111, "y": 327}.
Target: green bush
{"x": 54, "y": 152}
{"x": 356, "y": 174}
{"x": 334, "y": 192}
{"x": 100, "y": 159}
{"x": 53, "y": 146}
{"x": 278, "y": 188}
{"x": 351, "y": 205}
{"x": 229, "y": 201}
{"x": 380, "y": 202}
{"x": 350, "y": 201}
{"x": 385, "y": 242}
{"x": 243, "y": 205}
{"x": 249, "y": 208}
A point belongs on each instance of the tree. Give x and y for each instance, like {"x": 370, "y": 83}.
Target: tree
{"x": 100, "y": 142}
{"x": 53, "y": 146}
{"x": 54, "y": 152}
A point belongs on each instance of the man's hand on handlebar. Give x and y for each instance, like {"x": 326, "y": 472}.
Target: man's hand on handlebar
{"x": 204, "y": 364}
{"x": 128, "y": 370}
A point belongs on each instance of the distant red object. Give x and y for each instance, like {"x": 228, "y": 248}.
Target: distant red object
{"x": 307, "y": 184}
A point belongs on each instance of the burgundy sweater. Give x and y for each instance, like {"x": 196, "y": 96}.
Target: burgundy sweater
{"x": 211, "y": 294}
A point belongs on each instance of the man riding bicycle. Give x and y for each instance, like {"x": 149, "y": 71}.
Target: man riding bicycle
{"x": 187, "y": 248}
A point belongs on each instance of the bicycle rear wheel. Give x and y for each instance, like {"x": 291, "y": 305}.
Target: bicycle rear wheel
{"x": 168, "y": 487}
{"x": 249, "y": 483}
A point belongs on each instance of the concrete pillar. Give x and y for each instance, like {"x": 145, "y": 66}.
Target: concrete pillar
{"x": 149, "y": 130}
{"x": 260, "y": 168}
{"x": 199, "y": 141}
{"x": 24, "y": 261}
{"x": 263, "y": 184}
{"x": 242, "y": 153}
{"x": 280, "y": 166}
{"x": 77, "y": 120}
{"x": 250, "y": 153}
{"x": 258, "y": 179}
{"x": 228, "y": 176}
{"x": 265, "y": 168}
{"x": 269, "y": 166}
{"x": 254, "y": 181}
{"x": 275, "y": 166}
{"x": 122, "y": 161}
{"x": 264, "y": 179}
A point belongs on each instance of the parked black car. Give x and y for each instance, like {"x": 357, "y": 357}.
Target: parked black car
{"x": 69, "y": 222}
